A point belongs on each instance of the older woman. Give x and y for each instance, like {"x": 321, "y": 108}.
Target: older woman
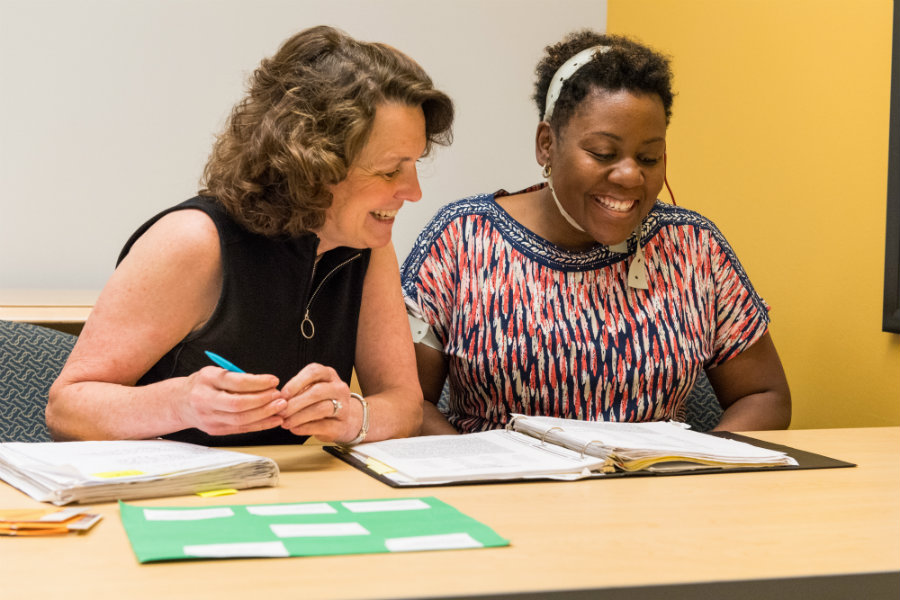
{"x": 283, "y": 265}
{"x": 585, "y": 297}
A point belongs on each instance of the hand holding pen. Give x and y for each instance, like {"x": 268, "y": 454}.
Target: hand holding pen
{"x": 316, "y": 402}
{"x": 229, "y": 401}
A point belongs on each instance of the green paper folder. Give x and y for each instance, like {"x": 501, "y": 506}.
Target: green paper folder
{"x": 301, "y": 529}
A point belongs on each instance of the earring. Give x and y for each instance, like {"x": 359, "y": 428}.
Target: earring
{"x": 545, "y": 172}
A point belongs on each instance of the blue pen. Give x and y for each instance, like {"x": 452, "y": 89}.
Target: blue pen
{"x": 228, "y": 366}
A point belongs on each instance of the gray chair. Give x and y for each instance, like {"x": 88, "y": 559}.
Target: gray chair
{"x": 702, "y": 408}
{"x": 31, "y": 358}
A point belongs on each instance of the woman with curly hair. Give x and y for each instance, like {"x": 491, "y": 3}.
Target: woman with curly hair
{"x": 585, "y": 297}
{"x": 283, "y": 264}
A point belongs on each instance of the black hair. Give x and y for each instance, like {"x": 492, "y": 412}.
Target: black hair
{"x": 626, "y": 65}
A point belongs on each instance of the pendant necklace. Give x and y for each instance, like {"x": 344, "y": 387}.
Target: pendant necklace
{"x": 307, "y": 327}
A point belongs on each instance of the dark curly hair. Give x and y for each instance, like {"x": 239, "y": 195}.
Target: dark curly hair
{"x": 307, "y": 114}
{"x": 627, "y": 65}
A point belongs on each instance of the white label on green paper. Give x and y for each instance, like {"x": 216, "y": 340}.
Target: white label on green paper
{"x": 447, "y": 541}
{"x": 244, "y": 549}
{"x": 291, "y": 530}
{"x": 187, "y": 515}
{"x": 313, "y": 508}
{"x": 386, "y": 505}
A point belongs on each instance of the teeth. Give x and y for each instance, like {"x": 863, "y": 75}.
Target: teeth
{"x": 385, "y": 214}
{"x": 616, "y": 205}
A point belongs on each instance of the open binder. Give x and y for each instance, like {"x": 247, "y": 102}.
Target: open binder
{"x": 547, "y": 448}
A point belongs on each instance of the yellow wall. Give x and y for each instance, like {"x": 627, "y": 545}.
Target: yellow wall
{"x": 780, "y": 135}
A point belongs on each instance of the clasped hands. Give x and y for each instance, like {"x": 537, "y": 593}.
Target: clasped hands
{"x": 314, "y": 402}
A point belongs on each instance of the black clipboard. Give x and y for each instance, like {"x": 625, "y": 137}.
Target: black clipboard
{"x": 805, "y": 460}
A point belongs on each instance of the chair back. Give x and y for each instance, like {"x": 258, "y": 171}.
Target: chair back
{"x": 702, "y": 408}
{"x": 31, "y": 358}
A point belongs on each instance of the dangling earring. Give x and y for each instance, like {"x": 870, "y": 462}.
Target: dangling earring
{"x": 545, "y": 172}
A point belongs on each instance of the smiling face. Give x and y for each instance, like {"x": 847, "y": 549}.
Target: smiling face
{"x": 608, "y": 162}
{"x": 378, "y": 182}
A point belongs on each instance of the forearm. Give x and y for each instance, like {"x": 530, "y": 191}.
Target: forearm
{"x": 394, "y": 413}
{"x": 434, "y": 422}
{"x": 753, "y": 389}
{"x": 110, "y": 411}
{"x": 757, "y": 412}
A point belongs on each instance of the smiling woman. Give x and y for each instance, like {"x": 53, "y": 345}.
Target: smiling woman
{"x": 283, "y": 264}
{"x": 383, "y": 178}
{"x": 614, "y": 137}
{"x": 586, "y": 297}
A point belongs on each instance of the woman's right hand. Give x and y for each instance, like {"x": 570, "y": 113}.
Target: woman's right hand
{"x": 221, "y": 402}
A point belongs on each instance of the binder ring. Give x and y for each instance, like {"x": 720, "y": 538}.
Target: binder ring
{"x": 585, "y": 447}
{"x": 544, "y": 435}
{"x": 509, "y": 425}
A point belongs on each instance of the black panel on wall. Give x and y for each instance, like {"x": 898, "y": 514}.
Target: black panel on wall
{"x": 891, "y": 313}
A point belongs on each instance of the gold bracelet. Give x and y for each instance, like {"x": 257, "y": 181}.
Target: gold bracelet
{"x": 364, "y": 430}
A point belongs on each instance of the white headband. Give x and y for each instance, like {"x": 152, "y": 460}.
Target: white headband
{"x": 568, "y": 69}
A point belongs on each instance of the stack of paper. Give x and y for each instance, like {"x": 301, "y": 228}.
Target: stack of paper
{"x": 482, "y": 456}
{"x": 656, "y": 446}
{"x": 64, "y": 472}
{"x": 551, "y": 448}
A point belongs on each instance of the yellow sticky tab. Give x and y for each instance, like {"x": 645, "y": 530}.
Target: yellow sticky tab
{"x": 114, "y": 474}
{"x": 214, "y": 493}
{"x": 379, "y": 467}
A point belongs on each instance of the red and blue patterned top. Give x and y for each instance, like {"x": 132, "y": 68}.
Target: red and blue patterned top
{"x": 531, "y": 328}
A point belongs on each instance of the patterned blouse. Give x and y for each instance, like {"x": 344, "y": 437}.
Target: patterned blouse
{"x": 531, "y": 328}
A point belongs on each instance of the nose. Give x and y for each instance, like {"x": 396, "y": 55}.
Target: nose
{"x": 627, "y": 173}
{"x": 409, "y": 189}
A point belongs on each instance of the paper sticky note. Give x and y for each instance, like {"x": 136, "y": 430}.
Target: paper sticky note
{"x": 114, "y": 474}
{"x": 379, "y": 467}
{"x": 216, "y": 493}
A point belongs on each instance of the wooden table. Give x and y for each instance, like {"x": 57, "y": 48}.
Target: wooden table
{"x": 831, "y": 533}
{"x": 66, "y": 310}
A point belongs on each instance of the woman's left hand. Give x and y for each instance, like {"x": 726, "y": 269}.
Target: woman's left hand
{"x": 319, "y": 404}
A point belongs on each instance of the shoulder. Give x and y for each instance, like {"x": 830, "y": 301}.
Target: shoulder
{"x": 181, "y": 237}
{"x": 480, "y": 205}
{"x": 667, "y": 216}
{"x": 185, "y": 229}
{"x": 449, "y": 218}
{"x": 200, "y": 220}
{"x": 678, "y": 215}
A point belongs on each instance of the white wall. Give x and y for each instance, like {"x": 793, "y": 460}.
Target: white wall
{"x": 108, "y": 108}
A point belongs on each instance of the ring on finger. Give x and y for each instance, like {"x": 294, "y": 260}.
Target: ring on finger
{"x": 337, "y": 407}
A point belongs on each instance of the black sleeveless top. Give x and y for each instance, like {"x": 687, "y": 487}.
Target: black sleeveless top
{"x": 268, "y": 286}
